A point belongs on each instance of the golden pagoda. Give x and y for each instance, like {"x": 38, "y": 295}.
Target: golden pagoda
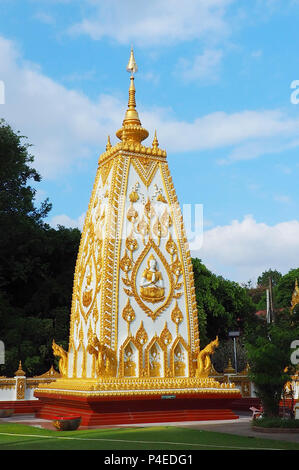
{"x": 134, "y": 321}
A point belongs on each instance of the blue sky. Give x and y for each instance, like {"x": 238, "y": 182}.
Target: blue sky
{"x": 214, "y": 79}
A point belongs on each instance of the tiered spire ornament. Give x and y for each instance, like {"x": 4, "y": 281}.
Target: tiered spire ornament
{"x": 132, "y": 129}
{"x": 134, "y": 319}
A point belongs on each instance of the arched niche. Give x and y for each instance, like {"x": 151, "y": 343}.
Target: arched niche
{"x": 155, "y": 358}
{"x": 130, "y": 358}
{"x": 180, "y": 358}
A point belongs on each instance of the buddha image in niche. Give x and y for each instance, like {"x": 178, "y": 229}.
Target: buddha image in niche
{"x": 152, "y": 285}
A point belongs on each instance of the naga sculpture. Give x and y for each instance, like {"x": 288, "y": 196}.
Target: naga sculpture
{"x": 106, "y": 362}
{"x": 204, "y": 363}
{"x": 60, "y": 352}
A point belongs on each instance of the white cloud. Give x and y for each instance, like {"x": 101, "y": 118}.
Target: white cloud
{"x": 44, "y": 18}
{"x": 244, "y": 249}
{"x": 155, "y": 22}
{"x": 250, "y": 133}
{"x": 204, "y": 66}
{"x": 66, "y": 127}
{"x": 66, "y": 221}
{"x": 283, "y": 198}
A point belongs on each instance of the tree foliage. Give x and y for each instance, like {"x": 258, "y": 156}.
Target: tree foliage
{"x": 36, "y": 264}
{"x": 269, "y": 354}
{"x": 223, "y": 305}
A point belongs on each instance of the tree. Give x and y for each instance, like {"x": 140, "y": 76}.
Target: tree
{"x": 269, "y": 355}
{"x": 37, "y": 264}
{"x": 263, "y": 279}
{"x": 222, "y": 304}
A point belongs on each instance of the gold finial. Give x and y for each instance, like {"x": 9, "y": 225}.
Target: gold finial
{"x": 155, "y": 143}
{"x": 20, "y": 372}
{"x": 131, "y": 129}
{"x": 108, "y": 146}
{"x": 132, "y": 66}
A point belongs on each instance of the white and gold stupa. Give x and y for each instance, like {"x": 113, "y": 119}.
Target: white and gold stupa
{"x": 134, "y": 321}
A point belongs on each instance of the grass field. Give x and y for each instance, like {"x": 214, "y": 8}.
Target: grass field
{"x": 21, "y": 437}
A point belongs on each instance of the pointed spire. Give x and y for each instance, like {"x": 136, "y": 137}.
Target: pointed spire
{"x": 131, "y": 114}
{"x": 108, "y": 146}
{"x": 132, "y": 66}
{"x": 155, "y": 143}
{"x": 131, "y": 129}
{"x": 20, "y": 372}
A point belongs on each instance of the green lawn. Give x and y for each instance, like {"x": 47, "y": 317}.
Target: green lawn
{"x": 20, "y": 437}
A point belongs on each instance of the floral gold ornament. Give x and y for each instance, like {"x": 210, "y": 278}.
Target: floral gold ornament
{"x": 141, "y": 335}
{"x": 166, "y": 336}
{"x": 128, "y": 314}
{"x": 177, "y": 316}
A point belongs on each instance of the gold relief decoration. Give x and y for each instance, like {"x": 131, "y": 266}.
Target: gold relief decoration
{"x": 133, "y": 196}
{"x": 177, "y": 316}
{"x": 130, "y": 358}
{"x": 190, "y": 296}
{"x": 158, "y": 194}
{"x": 154, "y": 362}
{"x": 132, "y": 245}
{"x": 145, "y": 168}
{"x": 166, "y": 336}
{"x": 151, "y": 289}
{"x": 126, "y": 263}
{"x": 89, "y": 268}
{"x": 152, "y": 286}
{"x": 204, "y": 363}
{"x": 157, "y": 294}
{"x": 129, "y": 364}
{"x": 128, "y": 314}
{"x": 141, "y": 335}
{"x": 21, "y": 387}
{"x": 105, "y": 170}
{"x": 156, "y": 358}
{"x": 106, "y": 362}
{"x": 178, "y": 361}
{"x": 132, "y": 214}
{"x": 60, "y": 352}
{"x": 143, "y": 228}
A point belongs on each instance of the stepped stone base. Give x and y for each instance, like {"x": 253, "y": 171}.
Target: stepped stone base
{"x": 138, "y": 409}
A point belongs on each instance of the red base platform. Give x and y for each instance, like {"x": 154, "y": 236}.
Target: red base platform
{"x": 126, "y": 410}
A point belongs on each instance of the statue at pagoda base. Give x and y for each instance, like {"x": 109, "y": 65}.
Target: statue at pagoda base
{"x": 134, "y": 321}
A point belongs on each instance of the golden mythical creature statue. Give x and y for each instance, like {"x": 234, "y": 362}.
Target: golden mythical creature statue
{"x": 60, "y": 352}
{"x": 204, "y": 363}
{"x": 106, "y": 362}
